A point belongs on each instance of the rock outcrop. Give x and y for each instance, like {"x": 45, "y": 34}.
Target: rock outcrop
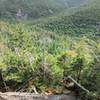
{"x": 31, "y": 96}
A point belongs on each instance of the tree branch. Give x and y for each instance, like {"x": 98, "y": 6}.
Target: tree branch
{"x": 79, "y": 85}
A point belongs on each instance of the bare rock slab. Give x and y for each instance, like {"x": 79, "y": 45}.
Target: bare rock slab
{"x": 31, "y": 96}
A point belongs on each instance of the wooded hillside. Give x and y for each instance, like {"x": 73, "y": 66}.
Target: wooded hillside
{"x": 37, "y": 55}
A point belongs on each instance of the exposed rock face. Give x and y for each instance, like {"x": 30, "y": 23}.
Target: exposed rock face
{"x": 31, "y": 96}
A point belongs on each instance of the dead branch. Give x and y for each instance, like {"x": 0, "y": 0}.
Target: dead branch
{"x": 89, "y": 93}
{"x": 79, "y": 85}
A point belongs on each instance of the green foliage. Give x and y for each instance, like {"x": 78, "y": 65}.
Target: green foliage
{"x": 47, "y": 56}
{"x": 49, "y": 49}
{"x": 75, "y": 21}
{"x": 33, "y": 8}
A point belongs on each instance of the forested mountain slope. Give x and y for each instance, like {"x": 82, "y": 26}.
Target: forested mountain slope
{"x": 35, "y": 8}
{"x": 78, "y": 21}
{"x": 41, "y": 53}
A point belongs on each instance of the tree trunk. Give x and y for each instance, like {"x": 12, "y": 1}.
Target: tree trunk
{"x": 2, "y": 86}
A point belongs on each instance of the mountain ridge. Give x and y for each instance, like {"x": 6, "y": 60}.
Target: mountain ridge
{"x": 35, "y": 8}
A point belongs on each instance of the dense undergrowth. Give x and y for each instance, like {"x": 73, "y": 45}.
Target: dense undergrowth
{"x": 41, "y": 53}
{"x": 29, "y": 51}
